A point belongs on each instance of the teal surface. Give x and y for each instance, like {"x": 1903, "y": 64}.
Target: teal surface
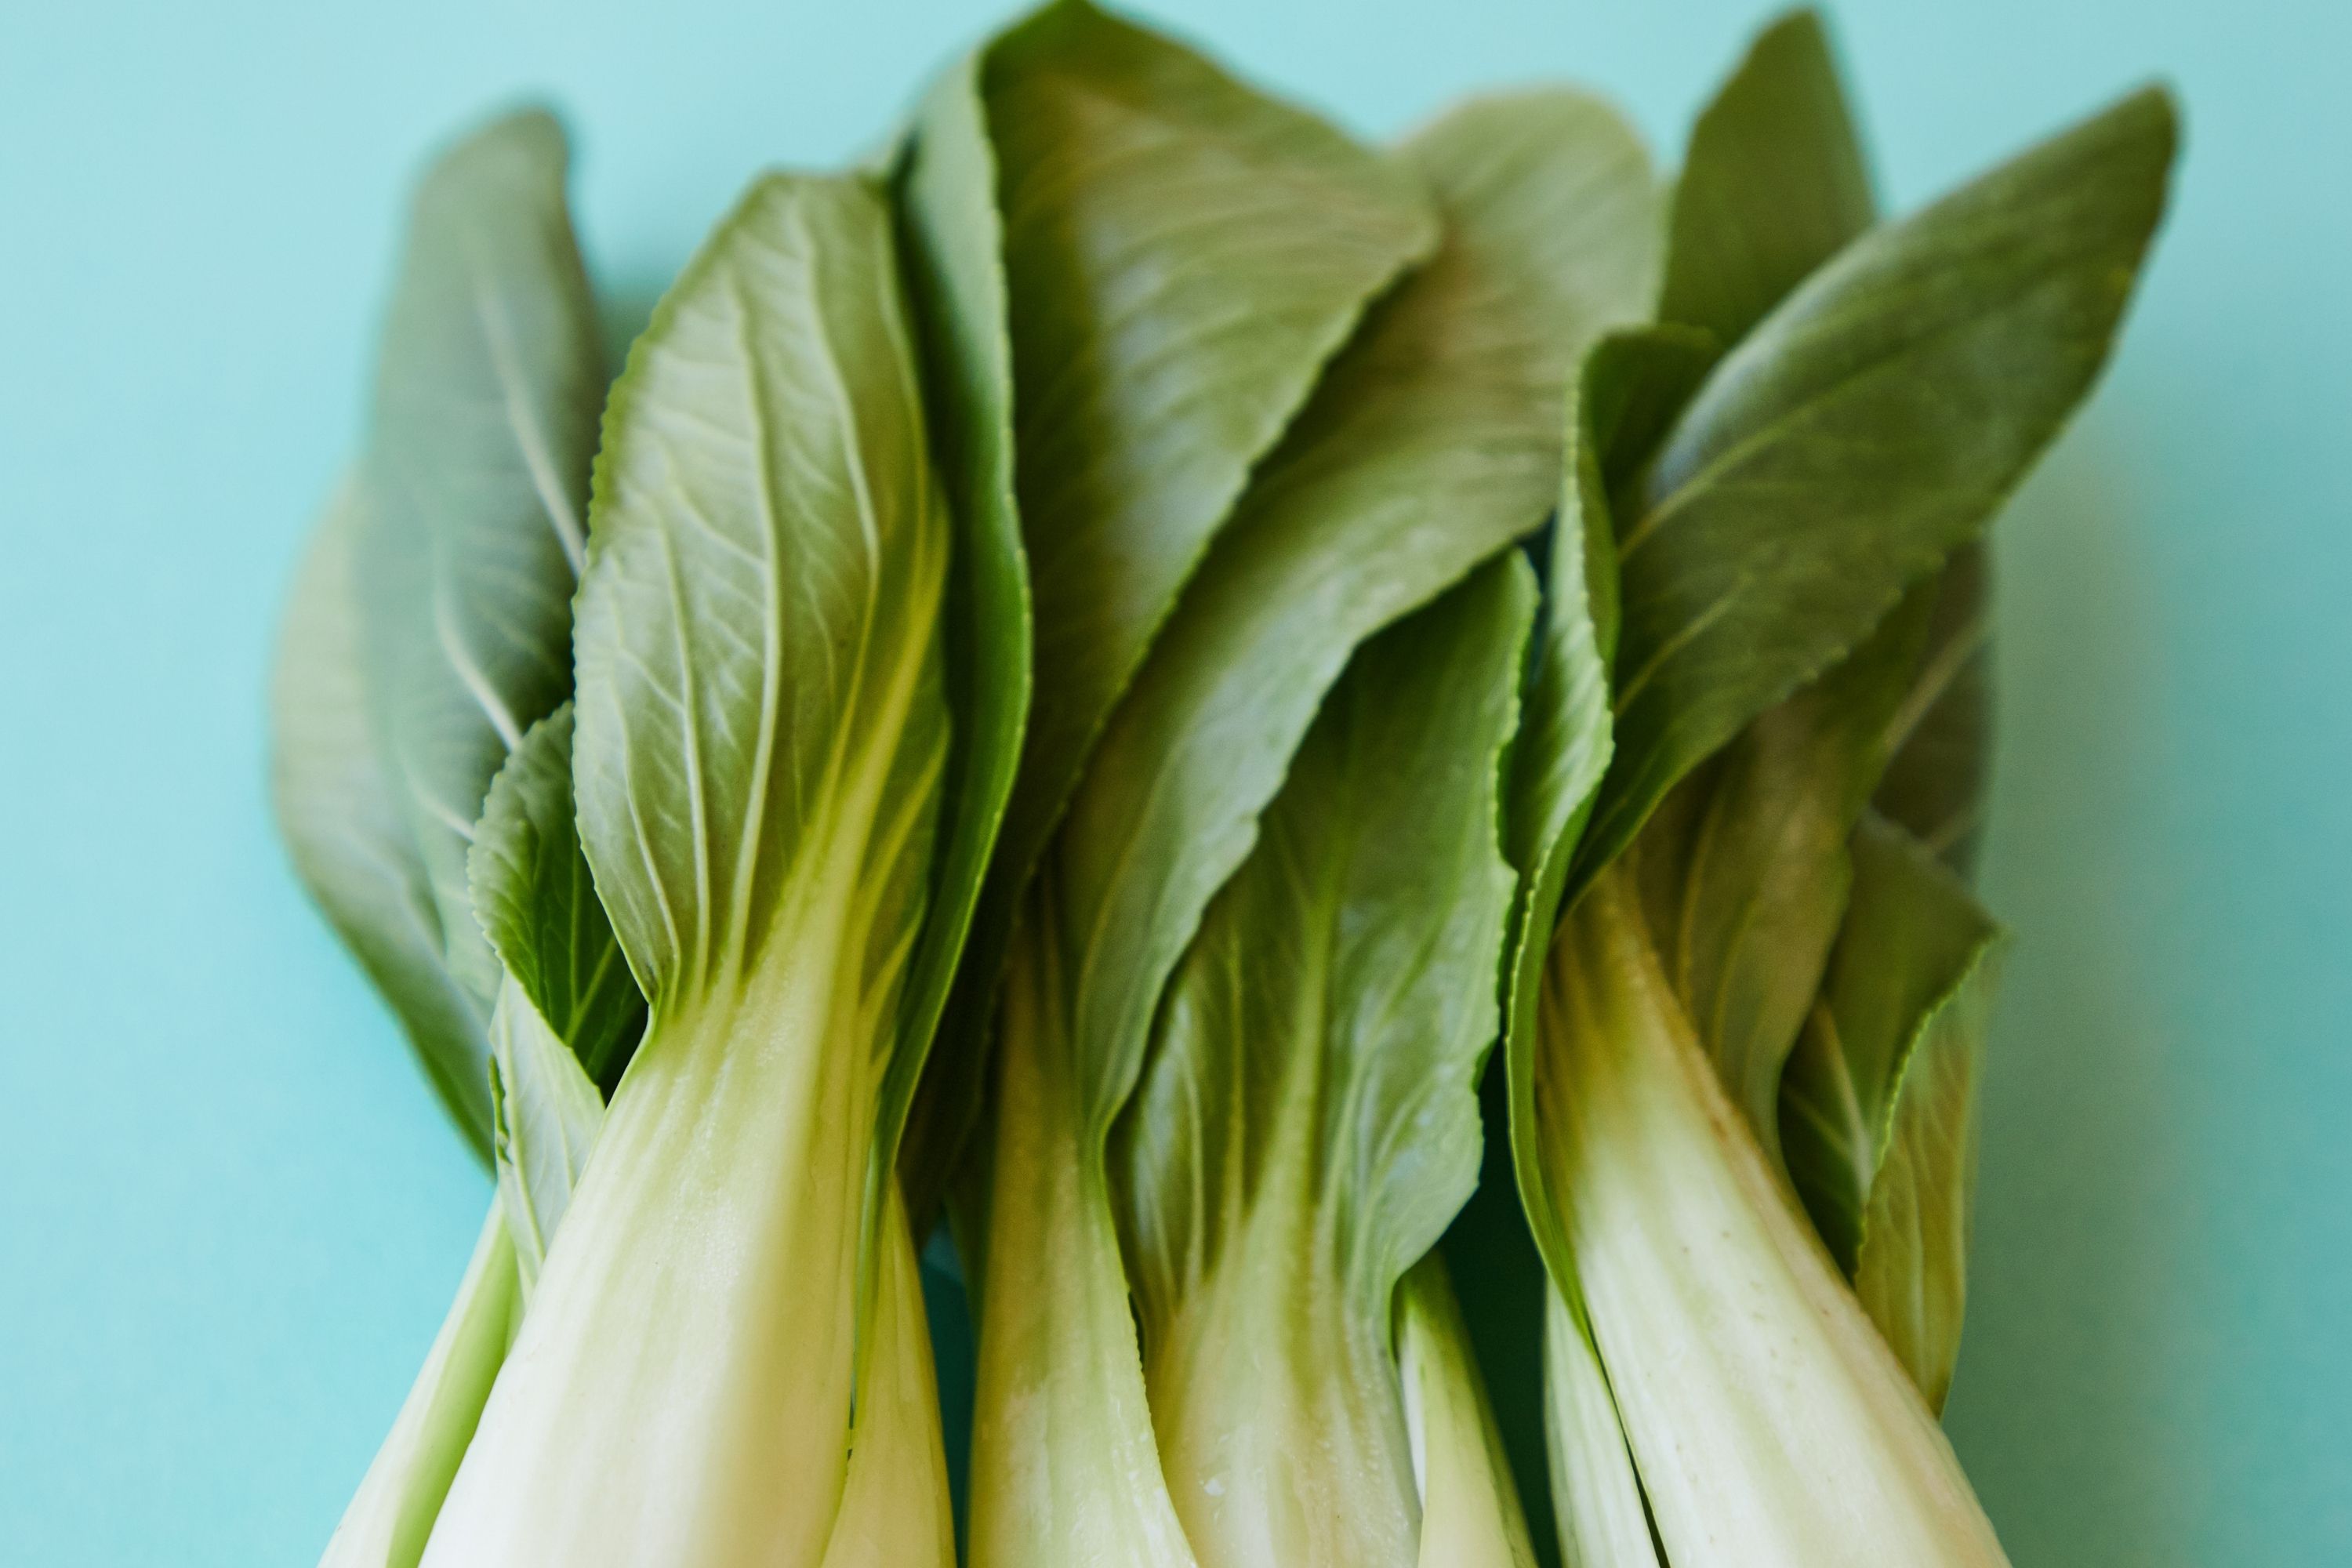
{"x": 230, "y": 1216}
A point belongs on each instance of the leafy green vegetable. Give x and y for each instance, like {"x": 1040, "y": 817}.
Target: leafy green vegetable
{"x": 1431, "y": 444}
{"x": 1307, "y": 1122}
{"x": 1877, "y": 1109}
{"x": 1866, "y": 424}
{"x": 1180, "y": 255}
{"x": 1061, "y": 588}
{"x": 761, "y": 735}
{"x": 1745, "y": 869}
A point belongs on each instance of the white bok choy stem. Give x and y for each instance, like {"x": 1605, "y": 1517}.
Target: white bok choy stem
{"x": 389, "y": 1518}
{"x": 1470, "y": 1510}
{"x": 1596, "y": 1497}
{"x": 1770, "y": 1425}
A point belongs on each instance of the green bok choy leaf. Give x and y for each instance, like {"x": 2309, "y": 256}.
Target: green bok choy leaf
{"x": 1161, "y": 258}
{"x": 1306, "y": 1121}
{"x": 436, "y": 604}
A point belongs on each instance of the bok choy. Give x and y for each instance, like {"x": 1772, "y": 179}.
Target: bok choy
{"x": 1085, "y": 677}
{"x": 722, "y": 1334}
{"x": 1776, "y": 517}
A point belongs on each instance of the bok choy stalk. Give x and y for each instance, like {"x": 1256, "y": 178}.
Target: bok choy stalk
{"x": 1775, "y": 535}
{"x": 566, "y": 1017}
{"x": 429, "y": 627}
{"x": 1431, "y": 444}
{"x": 1306, "y": 1123}
{"x": 1471, "y": 1512}
{"x": 718, "y": 1363}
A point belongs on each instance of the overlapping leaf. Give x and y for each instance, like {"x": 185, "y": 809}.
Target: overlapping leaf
{"x": 1171, "y": 255}
{"x": 951, "y": 239}
{"x": 481, "y": 429}
{"x": 1772, "y": 185}
{"x": 538, "y": 905}
{"x": 1183, "y": 253}
{"x": 1940, "y": 737}
{"x": 1431, "y": 444}
{"x": 347, "y": 833}
{"x": 1744, "y": 868}
{"x": 1877, "y": 1111}
{"x": 1308, "y": 1123}
{"x": 568, "y": 1013}
{"x": 1868, "y": 426}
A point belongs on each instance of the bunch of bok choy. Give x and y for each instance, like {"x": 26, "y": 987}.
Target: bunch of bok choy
{"x": 1080, "y": 684}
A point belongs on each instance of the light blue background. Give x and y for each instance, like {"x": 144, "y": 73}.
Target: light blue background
{"x": 229, "y": 1216}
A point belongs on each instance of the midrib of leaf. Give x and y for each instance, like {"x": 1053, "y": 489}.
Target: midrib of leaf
{"x": 1691, "y": 631}
{"x": 468, "y": 671}
{"x": 1935, "y": 677}
{"x": 690, "y": 711}
{"x": 1842, "y": 1122}
{"x": 498, "y": 332}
